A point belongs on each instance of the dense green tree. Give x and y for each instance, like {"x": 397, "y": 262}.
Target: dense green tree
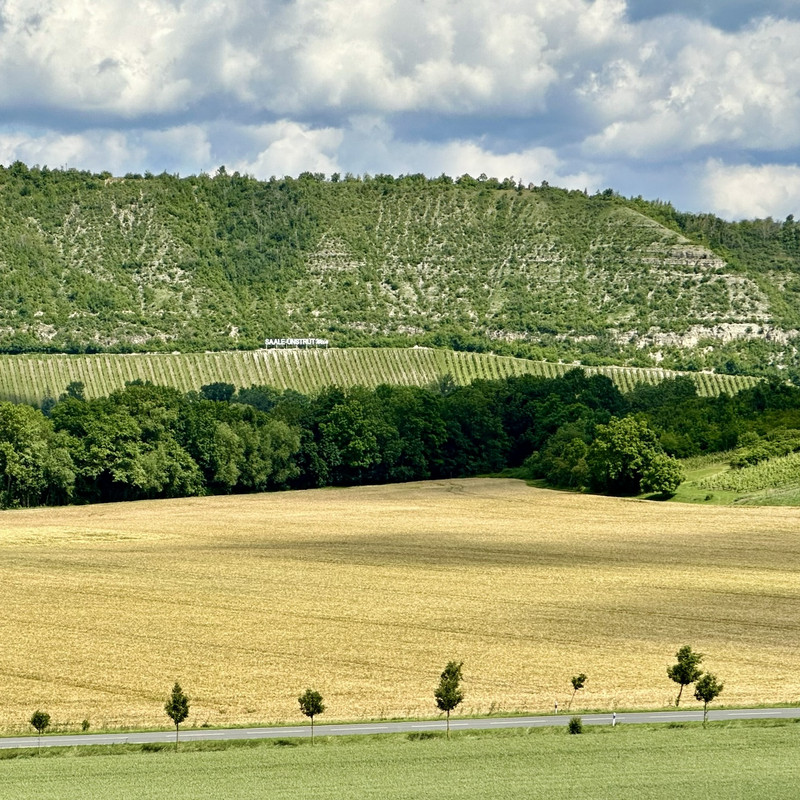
{"x": 311, "y": 705}
{"x": 707, "y": 688}
{"x": 35, "y": 464}
{"x": 686, "y": 671}
{"x": 40, "y": 720}
{"x": 361, "y": 444}
{"x": 448, "y": 693}
{"x": 662, "y": 475}
{"x": 621, "y": 454}
{"x": 177, "y": 708}
{"x": 218, "y": 392}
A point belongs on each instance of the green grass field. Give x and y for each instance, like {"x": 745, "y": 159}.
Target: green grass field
{"x": 30, "y": 378}
{"x": 724, "y": 760}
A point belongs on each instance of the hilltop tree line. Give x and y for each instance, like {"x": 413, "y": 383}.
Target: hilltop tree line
{"x": 577, "y": 431}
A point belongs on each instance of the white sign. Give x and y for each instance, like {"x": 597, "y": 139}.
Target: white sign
{"x": 295, "y": 343}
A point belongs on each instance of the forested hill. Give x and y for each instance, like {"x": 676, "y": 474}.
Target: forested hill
{"x": 95, "y": 262}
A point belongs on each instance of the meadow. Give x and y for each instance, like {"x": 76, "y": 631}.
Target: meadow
{"x": 734, "y": 762}
{"x": 364, "y": 594}
{"x": 31, "y": 378}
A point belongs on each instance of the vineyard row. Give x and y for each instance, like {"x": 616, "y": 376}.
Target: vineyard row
{"x": 31, "y": 378}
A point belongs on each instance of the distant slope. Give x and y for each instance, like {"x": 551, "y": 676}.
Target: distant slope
{"x": 31, "y": 378}
{"x": 97, "y": 263}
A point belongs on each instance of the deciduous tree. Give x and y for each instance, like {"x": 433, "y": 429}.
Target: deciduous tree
{"x": 311, "y": 705}
{"x": 448, "y": 693}
{"x": 578, "y": 682}
{"x": 177, "y": 708}
{"x": 708, "y": 688}
{"x": 687, "y": 670}
{"x": 41, "y": 722}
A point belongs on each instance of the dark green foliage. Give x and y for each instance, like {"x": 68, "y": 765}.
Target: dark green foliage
{"x": 36, "y": 466}
{"x": 218, "y": 392}
{"x": 40, "y": 720}
{"x": 449, "y": 694}
{"x": 706, "y": 689}
{"x": 578, "y": 682}
{"x": 686, "y": 671}
{"x": 626, "y": 458}
{"x": 575, "y": 725}
{"x": 147, "y": 441}
{"x": 311, "y": 705}
{"x": 177, "y": 708}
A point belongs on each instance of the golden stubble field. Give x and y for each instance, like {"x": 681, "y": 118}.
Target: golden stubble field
{"x": 365, "y": 594}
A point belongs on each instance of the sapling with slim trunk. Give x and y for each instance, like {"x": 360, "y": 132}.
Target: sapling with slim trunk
{"x": 448, "y": 693}
{"x": 686, "y": 671}
{"x": 708, "y": 688}
{"x": 177, "y": 708}
{"x": 41, "y": 721}
{"x": 578, "y": 682}
{"x": 311, "y": 705}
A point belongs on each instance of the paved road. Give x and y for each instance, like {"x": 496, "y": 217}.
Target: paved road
{"x": 457, "y": 723}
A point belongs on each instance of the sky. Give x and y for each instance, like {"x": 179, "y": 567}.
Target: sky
{"x": 692, "y": 101}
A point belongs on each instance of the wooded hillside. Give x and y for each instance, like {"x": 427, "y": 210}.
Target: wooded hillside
{"x": 160, "y": 263}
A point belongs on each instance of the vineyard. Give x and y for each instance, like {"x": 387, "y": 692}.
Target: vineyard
{"x": 775, "y": 473}
{"x": 31, "y": 378}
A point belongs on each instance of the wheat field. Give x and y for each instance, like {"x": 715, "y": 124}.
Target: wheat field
{"x": 365, "y": 593}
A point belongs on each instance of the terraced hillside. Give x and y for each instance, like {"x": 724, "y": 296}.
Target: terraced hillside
{"x": 98, "y": 263}
{"x": 31, "y": 378}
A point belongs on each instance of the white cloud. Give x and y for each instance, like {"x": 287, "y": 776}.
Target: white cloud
{"x": 459, "y": 157}
{"x": 575, "y": 92}
{"x": 94, "y": 150}
{"x": 288, "y": 148}
{"x": 737, "y": 192}
{"x": 689, "y": 86}
{"x": 157, "y": 56}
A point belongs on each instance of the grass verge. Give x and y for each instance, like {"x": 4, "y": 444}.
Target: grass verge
{"x": 735, "y": 760}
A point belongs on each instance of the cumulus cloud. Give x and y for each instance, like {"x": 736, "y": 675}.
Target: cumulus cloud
{"x": 155, "y": 56}
{"x": 577, "y": 92}
{"x": 699, "y": 87}
{"x": 288, "y": 148}
{"x": 742, "y": 191}
{"x": 183, "y": 149}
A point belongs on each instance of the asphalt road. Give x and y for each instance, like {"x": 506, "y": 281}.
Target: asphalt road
{"x": 354, "y": 729}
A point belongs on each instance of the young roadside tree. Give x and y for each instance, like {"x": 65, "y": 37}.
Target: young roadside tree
{"x": 686, "y": 671}
{"x": 578, "y": 682}
{"x": 177, "y": 708}
{"x": 448, "y": 693}
{"x": 311, "y": 705}
{"x": 708, "y": 688}
{"x": 41, "y": 722}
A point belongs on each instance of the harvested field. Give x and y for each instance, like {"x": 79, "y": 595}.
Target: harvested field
{"x": 365, "y": 593}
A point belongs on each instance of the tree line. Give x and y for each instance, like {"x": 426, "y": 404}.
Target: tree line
{"x": 578, "y": 431}
{"x": 449, "y": 694}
